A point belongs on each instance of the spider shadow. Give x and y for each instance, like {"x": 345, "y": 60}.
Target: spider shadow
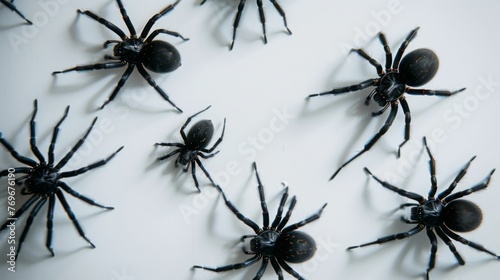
{"x": 227, "y": 7}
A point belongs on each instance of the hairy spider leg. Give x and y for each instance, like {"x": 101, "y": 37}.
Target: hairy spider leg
{"x": 374, "y": 139}
{"x": 155, "y": 17}
{"x": 15, "y": 10}
{"x": 402, "y": 48}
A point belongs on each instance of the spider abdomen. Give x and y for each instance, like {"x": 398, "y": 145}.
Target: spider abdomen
{"x": 419, "y": 67}
{"x": 295, "y": 247}
{"x": 462, "y": 215}
{"x": 161, "y": 57}
{"x": 200, "y": 135}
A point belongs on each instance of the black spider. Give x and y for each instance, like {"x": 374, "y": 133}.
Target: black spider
{"x": 137, "y": 51}
{"x": 443, "y": 215}
{"x": 42, "y": 180}
{"x": 10, "y": 4}
{"x": 279, "y": 244}
{"x": 194, "y": 146}
{"x": 416, "y": 69}
{"x": 262, "y": 16}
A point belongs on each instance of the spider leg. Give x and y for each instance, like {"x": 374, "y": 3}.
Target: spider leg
{"x": 16, "y": 155}
{"x": 84, "y": 198}
{"x": 402, "y": 48}
{"x": 54, "y": 136}
{"x": 282, "y": 13}
{"x": 392, "y": 237}
{"x": 445, "y": 93}
{"x": 178, "y": 145}
{"x": 277, "y": 268}
{"x": 164, "y": 31}
{"x": 374, "y": 139}
{"x": 82, "y": 170}
{"x": 262, "y": 197}
{"x": 432, "y": 257}
{"x": 372, "y": 61}
{"x": 183, "y": 134}
{"x": 15, "y": 10}
{"x": 152, "y": 83}
{"x": 71, "y": 215}
{"x": 120, "y": 84}
{"x": 50, "y": 224}
{"x": 126, "y": 18}
{"x": 304, "y": 222}
{"x": 369, "y": 97}
{"x": 478, "y": 187}
{"x": 98, "y": 66}
{"x": 262, "y": 268}
{"x": 170, "y": 154}
{"x": 104, "y": 22}
{"x": 23, "y": 170}
{"x": 33, "y": 146}
{"x": 387, "y": 50}
{"x": 288, "y": 214}
{"x": 244, "y": 264}
{"x": 288, "y": 269}
{"x": 205, "y": 171}
{"x": 193, "y": 174}
{"x": 346, "y": 89}
{"x": 262, "y": 17}
{"x": 278, "y": 217}
{"x": 29, "y": 221}
{"x": 457, "y": 179}
{"x": 237, "y": 213}
{"x": 464, "y": 241}
{"x": 218, "y": 140}
{"x": 378, "y": 113}
{"x": 236, "y": 22}
{"x": 420, "y": 199}
{"x": 208, "y": 156}
{"x": 432, "y": 170}
{"x": 450, "y": 245}
{"x": 406, "y": 111}
{"x": 152, "y": 20}
{"x": 21, "y": 210}
{"x": 80, "y": 142}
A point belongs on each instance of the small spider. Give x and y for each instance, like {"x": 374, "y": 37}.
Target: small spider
{"x": 195, "y": 146}
{"x": 137, "y": 52}
{"x": 416, "y": 69}
{"x": 262, "y": 16}
{"x": 9, "y": 4}
{"x": 279, "y": 244}
{"x": 443, "y": 215}
{"x": 42, "y": 180}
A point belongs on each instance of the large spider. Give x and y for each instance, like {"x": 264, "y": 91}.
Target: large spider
{"x": 416, "y": 69}
{"x": 443, "y": 215}
{"x": 195, "y": 146}
{"x": 42, "y": 180}
{"x": 137, "y": 51}
{"x": 262, "y": 17}
{"x": 10, "y": 4}
{"x": 278, "y": 244}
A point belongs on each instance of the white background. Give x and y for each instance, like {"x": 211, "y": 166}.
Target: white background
{"x": 161, "y": 226}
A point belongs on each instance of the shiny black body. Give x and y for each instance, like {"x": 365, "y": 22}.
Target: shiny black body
{"x": 276, "y": 243}
{"x": 415, "y": 69}
{"x": 262, "y": 17}
{"x": 10, "y": 5}
{"x": 442, "y": 215}
{"x": 137, "y": 52}
{"x": 195, "y": 146}
{"x": 43, "y": 181}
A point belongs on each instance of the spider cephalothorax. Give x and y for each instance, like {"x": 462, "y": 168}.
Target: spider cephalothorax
{"x": 443, "y": 214}
{"x": 42, "y": 180}
{"x": 276, "y": 243}
{"x": 414, "y": 69}
{"x": 10, "y": 5}
{"x": 137, "y": 52}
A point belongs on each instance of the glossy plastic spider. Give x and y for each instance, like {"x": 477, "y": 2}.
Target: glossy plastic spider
{"x": 416, "y": 69}
{"x": 195, "y": 146}
{"x": 137, "y": 51}
{"x": 10, "y": 4}
{"x": 262, "y": 16}
{"x": 278, "y": 244}
{"x": 42, "y": 180}
{"x": 443, "y": 215}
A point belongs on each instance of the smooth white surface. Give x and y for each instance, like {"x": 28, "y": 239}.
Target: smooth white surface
{"x": 261, "y": 90}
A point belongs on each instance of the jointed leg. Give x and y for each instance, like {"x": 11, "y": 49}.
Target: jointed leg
{"x": 205, "y": 171}
{"x": 236, "y": 22}
{"x": 104, "y": 22}
{"x": 288, "y": 269}
{"x": 98, "y": 66}
{"x": 22, "y": 170}
{"x": 445, "y": 93}
{"x": 372, "y": 61}
{"x": 246, "y": 263}
{"x": 84, "y": 198}
{"x": 432, "y": 170}
{"x": 29, "y": 221}
{"x": 169, "y": 154}
{"x": 126, "y": 19}
{"x": 21, "y": 210}
{"x": 236, "y": 212}
{"x": 277, "y": 268}
{"x": 464, "y": 241}
{"x": 387, "y": 50}
{"x": 450, "y": 245}
{"x": 152, "y": 83}
{"x": 89, "y": 167}
{"x": 262, "y": 268}
{"x": 164, "y": 31}
{"x": 420, "y": 199}
{"x": 402, "y": 48}
{"x": 459, "y": 177}
{"x": 262, "y": 17}
{"x": 152, "y": 20}
{"x": 193, "y": 173}
{"x": 278, "y": 217}
{"x": 54, "y": 136}
{"x": 304, "y": 222}
{"x": 282, "y": 13}
{"x": 15, "y": 10}
{"x": 391, "y": 237}
{"x": 120, "y": 84}
{"x": 16, "y": 155}
{"x": 33, "y": 146}
{"x": 50, "y": 224}
{"x": 346, "y": 89}
{"x": 382, "y": 131}
{"x": 80, "y": 142}
{"x": 262, "y": 197}
{"x": 288, "y": 214}
{"x": 406, "y": 110}
{"x": 432, "y": 257}
{"x": 478, "y": 187}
